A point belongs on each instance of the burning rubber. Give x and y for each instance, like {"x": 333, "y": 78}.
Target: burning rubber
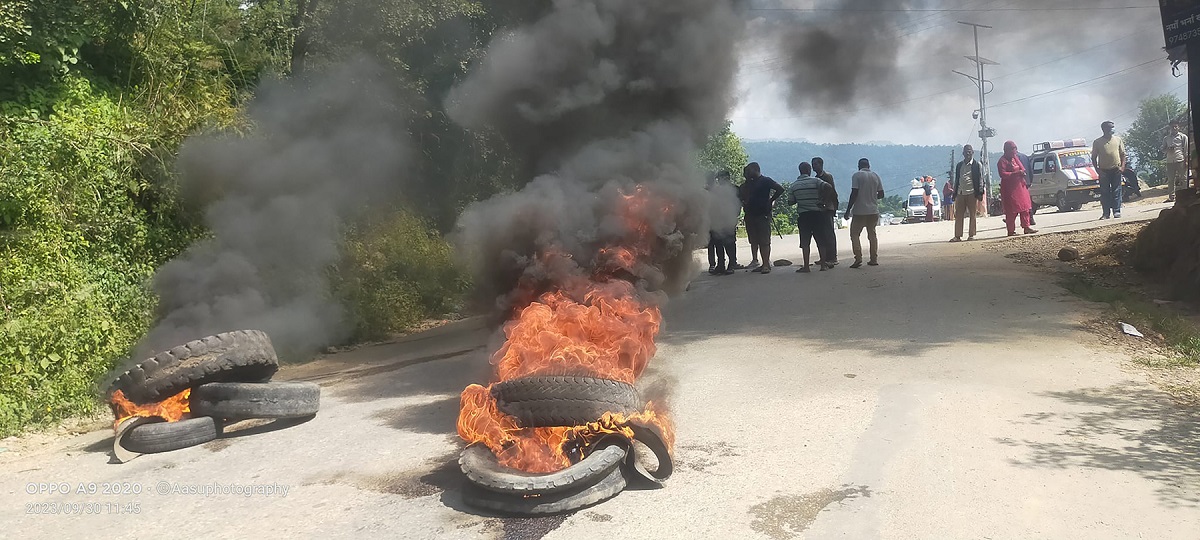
{"x": 564, "y": 401}
{"x": 590, "y": 413}
{"x": 243, "y": 356}
{"x": 187, "y": 395}
{"x": 556, "y": 432}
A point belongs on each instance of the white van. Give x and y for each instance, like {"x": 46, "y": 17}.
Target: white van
{"x": 1063, "y": 175}
{"x": 915, "y": 211}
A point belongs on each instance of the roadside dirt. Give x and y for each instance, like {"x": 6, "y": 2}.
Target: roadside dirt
{"x": 1105, "y": 261}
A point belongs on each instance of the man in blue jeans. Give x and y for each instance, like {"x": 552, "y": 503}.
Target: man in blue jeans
{"x": 1108, "y": 155}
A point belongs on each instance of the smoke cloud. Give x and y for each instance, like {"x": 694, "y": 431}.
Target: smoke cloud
{"x": 596, "y": 98}
{"x": 318, "y": 154}
{"x": 882, "y": 69}
{"x": 853, "y": 54}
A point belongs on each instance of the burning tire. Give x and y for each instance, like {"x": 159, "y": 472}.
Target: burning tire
{"x": 243, "y": 356}
{"x": 550, "y": 503}
{"x": 236, "y": 401}
{"x": 482, "y": 468}
{"x": 564, "y": 401}
{"x": 168, "y": 436}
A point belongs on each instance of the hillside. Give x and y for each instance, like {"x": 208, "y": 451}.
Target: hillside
{"x": 897, "y": 165}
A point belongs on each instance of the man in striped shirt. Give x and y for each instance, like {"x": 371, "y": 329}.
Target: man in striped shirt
{"x": 807, "y": 194}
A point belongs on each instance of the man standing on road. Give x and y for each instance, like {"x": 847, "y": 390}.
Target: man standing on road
{"x": 758, "y": 195}
{"x": 866, "y": 192}
{"x": 830, "y": 207}
{"x": 1108, "y": 154}
{"x": 948, "y": 200}
{"x": 724, "y": 208}
{"x": 968, "y": 187}
{"x": 1175, "y": 147}
{"x": 807, "y": 194}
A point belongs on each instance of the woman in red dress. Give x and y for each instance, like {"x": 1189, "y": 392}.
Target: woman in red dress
{"x": 1013, "y": 192}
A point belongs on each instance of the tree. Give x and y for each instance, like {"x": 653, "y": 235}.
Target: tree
{"x": 724, "y": 151}
{"x": 893, "y": 204}
{"x": 1145, "y": 137}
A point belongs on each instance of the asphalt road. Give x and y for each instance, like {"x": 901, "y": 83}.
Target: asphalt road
{"x": 948, "y": 393}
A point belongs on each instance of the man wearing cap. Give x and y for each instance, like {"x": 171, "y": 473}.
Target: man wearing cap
{"x": 1175, "y": 148}
{"x": 1108, "y": 155}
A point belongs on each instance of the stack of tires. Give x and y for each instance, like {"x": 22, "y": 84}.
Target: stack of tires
{"x": 230, "y": 378}
{"x": 561, "y": 402}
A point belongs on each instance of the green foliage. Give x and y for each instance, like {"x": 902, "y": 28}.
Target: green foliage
{"x": 724, "y": 152}
{"x": 892, "y": 204}
{"x": 395, "y": 273}
{"x": 89, "y": 208}
{"x": 75, "y": 248}
{"x": 1179, "y": 333}
{"x": 1144, "y": 140}
{"x": 95, "y": 99}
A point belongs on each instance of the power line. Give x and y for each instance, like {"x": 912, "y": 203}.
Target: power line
{"x": 1059, "y": 59}
{"x": 775, "y": 63}
{"x": 1139, "y": 106}
{"x": 1081, "y": 83}
{"x": 951, "y": 90}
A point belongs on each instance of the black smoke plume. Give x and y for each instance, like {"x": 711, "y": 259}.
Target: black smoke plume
{"x": 871, "y": 54}
{"x": 319, "y": 153}
{"x": 596, "y": 98}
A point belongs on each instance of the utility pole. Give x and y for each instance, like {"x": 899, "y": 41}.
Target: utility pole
{"x": 985, "y": 132}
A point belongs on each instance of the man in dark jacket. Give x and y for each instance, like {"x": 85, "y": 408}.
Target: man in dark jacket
{"x": 830, "y": 206}
{"x": 968, "y": 191}
{"x": 758, "y": 195}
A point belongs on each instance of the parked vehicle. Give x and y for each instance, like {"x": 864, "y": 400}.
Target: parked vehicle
{"x": 915, "y": 210}
{"x": 1063, "y": 175}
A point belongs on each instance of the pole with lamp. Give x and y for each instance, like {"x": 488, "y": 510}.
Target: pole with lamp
{"x": 985, "y": 87}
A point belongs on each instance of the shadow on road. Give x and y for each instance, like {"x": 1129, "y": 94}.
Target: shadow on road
{"x": 1125, "y": 428}
{"x": 438, "y": 416}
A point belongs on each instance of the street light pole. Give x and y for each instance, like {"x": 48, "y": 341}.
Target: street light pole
{"x": 985, "y": 132}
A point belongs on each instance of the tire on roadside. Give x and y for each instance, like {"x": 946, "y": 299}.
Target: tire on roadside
{"x": 238, "y": 401}
{"x": 551, "y": 503}
{"x": 564, "y": 401}
{"x": 482, "y": 468}
{"x": 241, "y": 356}
{"x": 168, "y": 436}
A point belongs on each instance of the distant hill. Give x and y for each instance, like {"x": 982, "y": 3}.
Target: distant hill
{"x": 897, "y": 165}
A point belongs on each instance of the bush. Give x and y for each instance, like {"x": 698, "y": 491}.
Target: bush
{"x": 396, "y": 272}
{"x": 75, "y": 249}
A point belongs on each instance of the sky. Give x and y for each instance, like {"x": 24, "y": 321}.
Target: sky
{"x": 860, "y": 71}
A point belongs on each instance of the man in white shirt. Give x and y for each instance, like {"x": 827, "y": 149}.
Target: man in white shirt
{"x": 1175, "y": 148}
{"x": 866, "y": 192}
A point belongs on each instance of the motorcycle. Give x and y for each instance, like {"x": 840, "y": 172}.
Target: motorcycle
{"x": 1131, "y": 188}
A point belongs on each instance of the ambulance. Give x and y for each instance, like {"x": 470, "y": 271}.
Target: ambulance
{"x": 915, "y": 208}
{"x": 1062, "y": 175}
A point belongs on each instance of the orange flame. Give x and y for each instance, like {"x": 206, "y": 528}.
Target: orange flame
{"x": 591, "y": 326}
{"x": 172, "y": 409}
